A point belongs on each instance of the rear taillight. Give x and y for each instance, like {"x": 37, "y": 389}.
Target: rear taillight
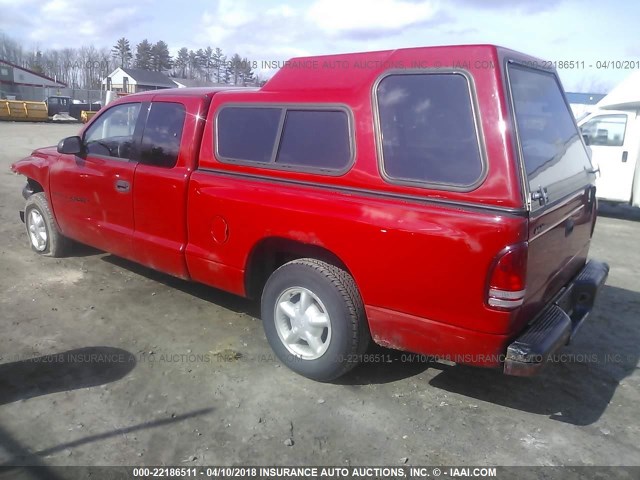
{"x": 507, "y": 278}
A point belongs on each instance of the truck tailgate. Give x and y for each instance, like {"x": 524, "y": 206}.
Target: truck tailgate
{"x": 558, "y": 180}
{"x": 558, "y": 247}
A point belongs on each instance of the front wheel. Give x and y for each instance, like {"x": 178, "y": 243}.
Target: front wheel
{"x": 314, "y": 318}
{"x": 44, "y": 237}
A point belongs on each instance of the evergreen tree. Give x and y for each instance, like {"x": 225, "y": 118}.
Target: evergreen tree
{"x": 236, "y": 69}
{"x": 35, "y": 62}
{"x": 121, "y": 51}
{"x": 246, "y": 73}
{"x": 182, "y": 62}
{"x": 144, "y": 55}
{"x": 226, "y": 72}
{"x": 160, "y": 57}
{"x": 218, "y": 60}
{"x": 194, "y": 64}
{"x": 207, "y": 62}
{"x": 201, "y": 62}
{"x": 86, "y": 67}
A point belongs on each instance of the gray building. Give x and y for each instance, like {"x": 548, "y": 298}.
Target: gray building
{"x": 19, "y": 83}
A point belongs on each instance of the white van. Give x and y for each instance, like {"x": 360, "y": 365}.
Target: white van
{"x": 614, "y": 138}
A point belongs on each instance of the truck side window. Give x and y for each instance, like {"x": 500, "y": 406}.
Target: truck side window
{"x": 315, "y": 138}
{"x": 606, "y": 130}
{"x": 248, "y": 133}
{"x": 111, "y": 135}
{"x": 162, "y": 134}
{"x": 428, "y": 130}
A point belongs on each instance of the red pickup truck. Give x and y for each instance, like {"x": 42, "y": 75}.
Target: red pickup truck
{"x": 435, "y": 200}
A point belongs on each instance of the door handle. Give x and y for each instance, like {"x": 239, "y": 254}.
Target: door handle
{"x": 540, "y": 195}
{"x": 624, "y": 157}
{"x": 122, "y": 186}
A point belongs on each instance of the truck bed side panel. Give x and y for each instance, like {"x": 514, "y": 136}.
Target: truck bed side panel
{"x": 409, "y": 257}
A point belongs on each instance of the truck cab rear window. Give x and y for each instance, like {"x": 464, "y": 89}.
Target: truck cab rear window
{"x": 428, "y": 130}
{"x": 285, "y": 137}
{"x": 248, "y": 133}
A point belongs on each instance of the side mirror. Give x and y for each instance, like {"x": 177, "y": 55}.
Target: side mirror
{"x": 70, "y": 146}
{"x": 585, "y": 137}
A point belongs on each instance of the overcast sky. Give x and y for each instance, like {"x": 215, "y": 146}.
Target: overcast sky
{"x": 586, "y": 30}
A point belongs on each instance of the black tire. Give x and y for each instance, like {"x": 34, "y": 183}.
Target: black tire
{"x": 55, "y": 244}
{"x": 339, "y": 297}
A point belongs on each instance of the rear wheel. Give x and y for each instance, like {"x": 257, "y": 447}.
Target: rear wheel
{"x": 42, "y": 230}
{"x": 314, "y": 318}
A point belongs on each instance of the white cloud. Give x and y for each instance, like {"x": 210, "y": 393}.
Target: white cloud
{"x": 84, "y": 22}
{"x": 357, "y": 17}
{"x": 527, "y": 6}
{"x": 16, "y": 14}
{"x": 258, "y": 32}
{"x": 57, "y": 7}
{"x": 235, "y": 13}
{"x": 12, "y": 3}
{"x": 228, "y": 18}
{"x": 276, "y": 30}
{"x": 284, "y": 11}
{"x": 268, "y": 32}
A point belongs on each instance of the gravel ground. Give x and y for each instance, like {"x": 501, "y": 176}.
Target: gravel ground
{"x": 191, "y": 379}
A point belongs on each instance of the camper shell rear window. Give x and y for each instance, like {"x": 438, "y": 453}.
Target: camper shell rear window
{"x": 553, "y": 155}
{"x": 428, "y": 130}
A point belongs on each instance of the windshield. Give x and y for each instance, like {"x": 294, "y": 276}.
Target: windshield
{"x": 553, "y": 154}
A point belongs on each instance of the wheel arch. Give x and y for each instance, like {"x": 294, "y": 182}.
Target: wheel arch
{"x": 270, "y": 253}
{"x": 32, "y": 186}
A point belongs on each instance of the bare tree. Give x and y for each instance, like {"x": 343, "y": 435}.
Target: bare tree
{"x": 592, "y": 84}
{"x": 11, "y": 51}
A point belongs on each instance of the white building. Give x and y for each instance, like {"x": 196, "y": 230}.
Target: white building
{"x": 133, "y": 80}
